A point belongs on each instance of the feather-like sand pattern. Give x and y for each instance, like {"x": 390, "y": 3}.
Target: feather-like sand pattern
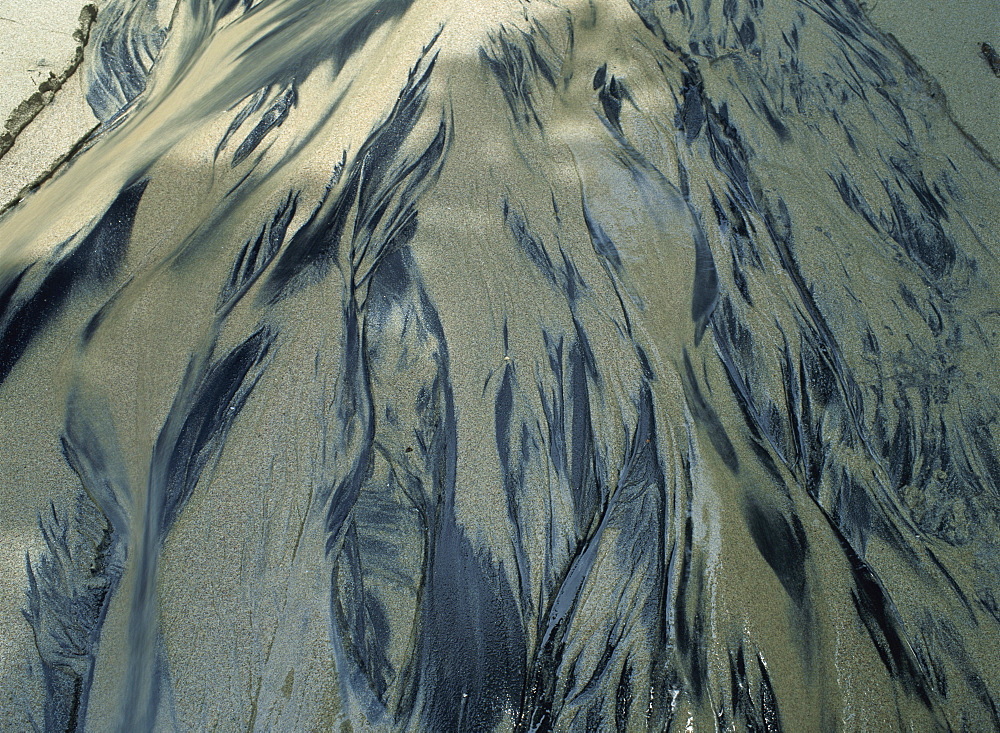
{"x": 577, "y": 365}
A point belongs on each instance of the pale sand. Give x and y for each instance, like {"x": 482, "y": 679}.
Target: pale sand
{"x": 36, "y": 38}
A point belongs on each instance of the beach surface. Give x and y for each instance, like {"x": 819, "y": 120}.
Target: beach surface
{"x": 36, "y": 39}
{"x": 582, "y": 365}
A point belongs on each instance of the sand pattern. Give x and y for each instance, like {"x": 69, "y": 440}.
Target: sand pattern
{"x": 551, "y": 365}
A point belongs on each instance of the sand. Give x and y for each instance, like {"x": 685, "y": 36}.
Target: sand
{"x": 946, "y": 41}
{"x": 36, "y": 39}
{"x": 584, "y": 365}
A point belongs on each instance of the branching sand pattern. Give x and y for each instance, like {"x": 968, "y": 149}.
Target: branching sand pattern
{"x": 549, "y": 365}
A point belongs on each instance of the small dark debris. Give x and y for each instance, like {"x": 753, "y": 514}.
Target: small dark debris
{"x": 991, "y": 56}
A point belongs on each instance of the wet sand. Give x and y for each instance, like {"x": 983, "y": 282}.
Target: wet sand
{"x": 945, "y": 41}
{"x": 566, "y": 366}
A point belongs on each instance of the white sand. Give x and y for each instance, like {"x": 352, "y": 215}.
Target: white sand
{"x": 36, "y": 43}
{"x": 36, "y": 38}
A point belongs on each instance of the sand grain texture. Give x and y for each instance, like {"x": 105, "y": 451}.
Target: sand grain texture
{"x": 547, "y": 366}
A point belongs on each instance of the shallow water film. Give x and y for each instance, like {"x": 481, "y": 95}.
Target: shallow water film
{"x": 534, "y": 365}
